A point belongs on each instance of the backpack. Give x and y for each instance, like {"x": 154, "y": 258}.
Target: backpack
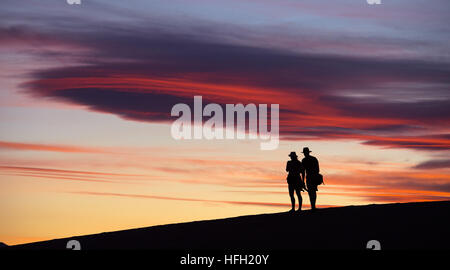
{"x": 319, "y": 179}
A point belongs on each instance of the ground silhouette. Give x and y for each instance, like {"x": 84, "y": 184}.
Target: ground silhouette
{"x": 423, "y": 225}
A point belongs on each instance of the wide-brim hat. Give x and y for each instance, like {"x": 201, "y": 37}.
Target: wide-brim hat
{"x": 293, "y": 154}
{"x": 306, "y": 150}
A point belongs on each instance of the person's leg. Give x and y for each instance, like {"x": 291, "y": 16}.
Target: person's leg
{"x": 312, "y": 198}
{"x": 291, "y": 194}
{"x": 300, "y": 199}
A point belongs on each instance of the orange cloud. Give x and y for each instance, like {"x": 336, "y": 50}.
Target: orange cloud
{"x": 49, "y": 147}
{"x": 270, "y": 204}
{"x": 72, "y": 175}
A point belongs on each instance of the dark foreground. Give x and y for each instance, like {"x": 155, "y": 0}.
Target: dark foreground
{"x": 396, "y": 226}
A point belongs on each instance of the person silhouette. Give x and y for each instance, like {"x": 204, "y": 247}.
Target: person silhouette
{"x": 295, "y": 182}
{"x": 311, "y": 166}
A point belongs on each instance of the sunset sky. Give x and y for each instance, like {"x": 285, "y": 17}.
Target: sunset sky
{"x": 86, "y": 93}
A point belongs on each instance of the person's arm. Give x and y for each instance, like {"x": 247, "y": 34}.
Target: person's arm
{"x": 303, "y": 180}
{"x": 303, "y": 176}
{"x": 317, "y": 162}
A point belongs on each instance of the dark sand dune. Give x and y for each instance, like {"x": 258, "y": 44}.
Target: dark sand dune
{"x": 423, "y": 225}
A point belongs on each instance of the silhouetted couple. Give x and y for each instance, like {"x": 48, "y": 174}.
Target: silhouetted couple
{"x": 296, "y": 178}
